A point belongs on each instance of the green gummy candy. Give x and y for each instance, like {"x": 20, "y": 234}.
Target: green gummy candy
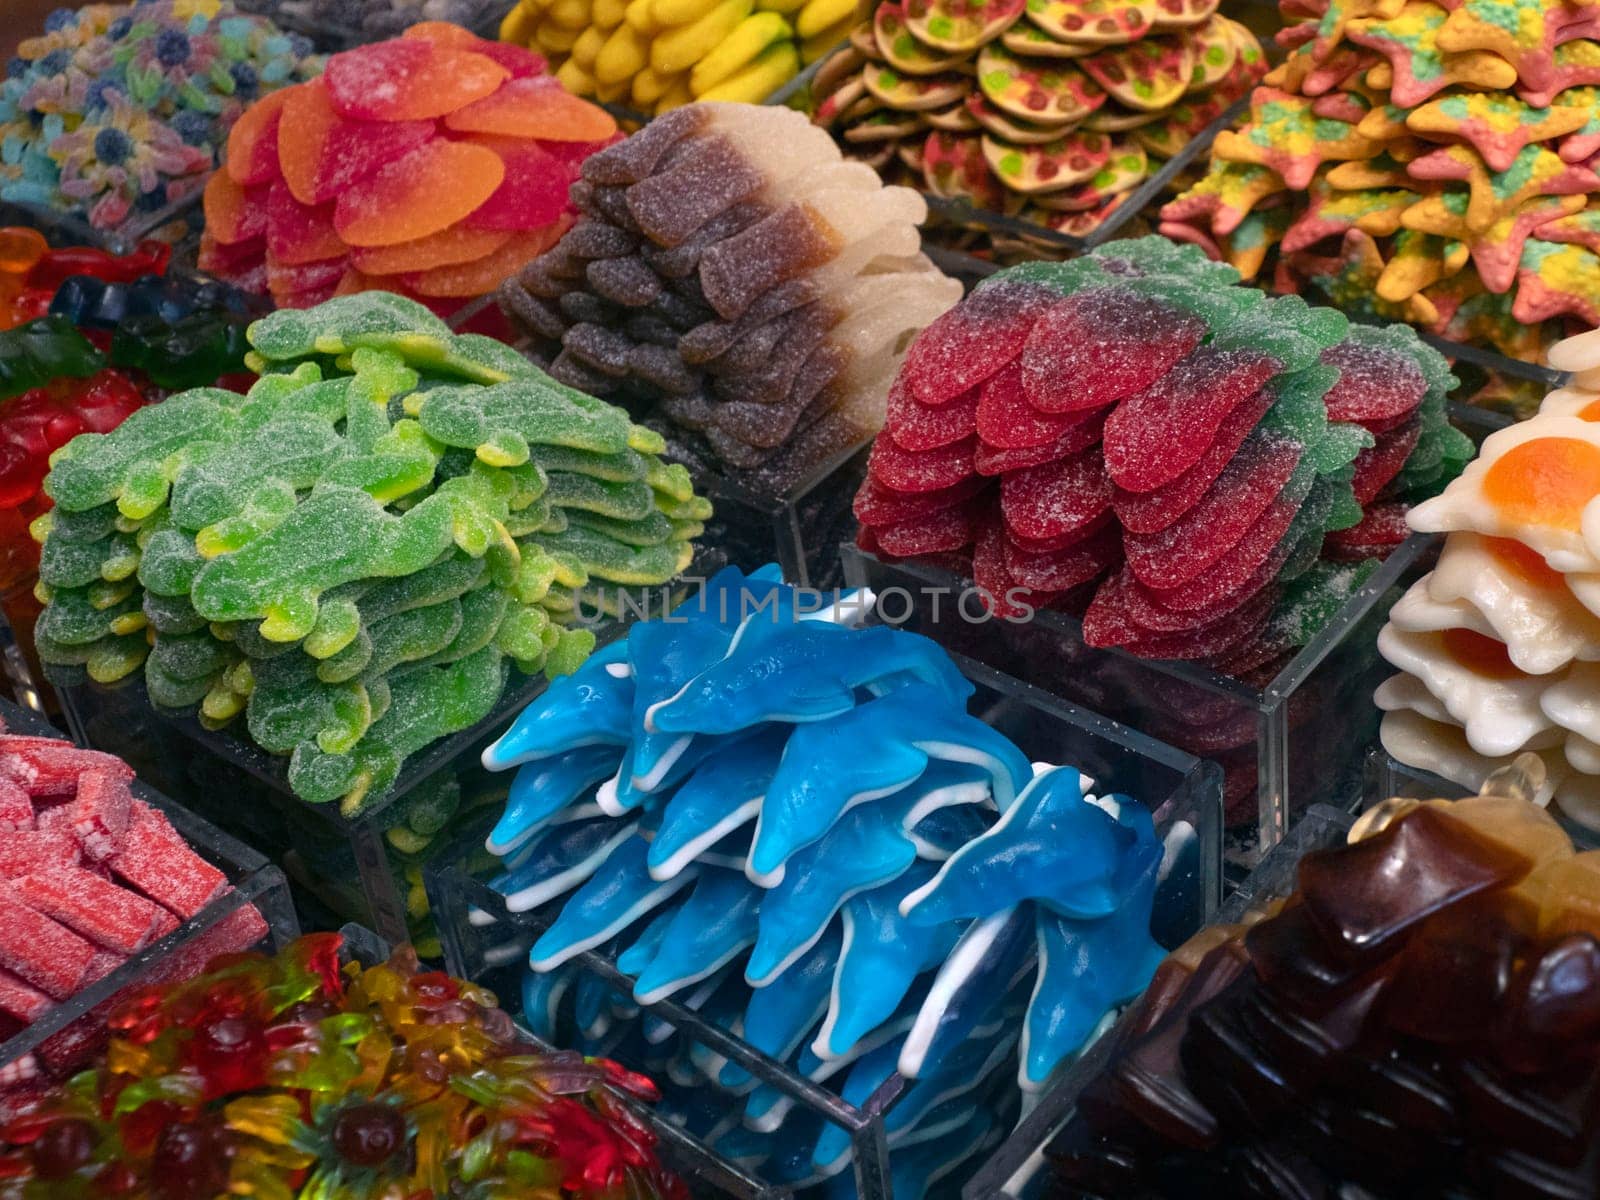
{"x": 168, "y": 691}
{"x": 87, "y": 525}
{"x": 196, "y": 656}
{"x": 453, "y": 575}
{"x": 1288, "y": 329}
{"x": 72, "y": 619}
{"x": 424, "y": 706}
{"x": 171, "y": 614}
{"x": 405, "y": 637}
{"x": 560, "y": 599}
{"x": 650, "y": 530}
{"x": 534, "y": 518}
{"x": 105, "y": 593}
{"x": 482, "y": 612}
{"x": 1064, "y": 277}
{"x": 291, "y": 452}
{"x": 431, "y": 805}
{"x": 1300, "y": 413}
{"x": 69, "y": 564}
{"x": 1310, "y": 603}
{"x": 571, "y": 651}
{"x": 334, "y": 536}
{"x": 289, "y": 707}
{"x": 521, "y": 632}
{"x": 606, "y": 558}
{"x": 501, "y": 423}
{"x": 622, "y": 467}
{"x": 400, "y": 462}
{"x": 135, "y": 463}
{"x": 345, "y": 323}
{"x": 622, "y": 501}
{"x": 169, "y": 563}
{"x": 474, "y": 356}
{"x": 106, "y": 660}
{"x": 302, "y": 393}
{"x": 672, "y": 481}
{"x": 1154, "y": 255}
{"x": 695, "y": 508}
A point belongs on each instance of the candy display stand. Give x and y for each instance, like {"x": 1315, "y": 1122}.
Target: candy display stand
{"x": 342, "y": 865}
{"x": 1181, "y": 791}
{"x": 255, "y": 883}
{"x": 1018, "y": 1170}
{"x": 1284, "y": 747}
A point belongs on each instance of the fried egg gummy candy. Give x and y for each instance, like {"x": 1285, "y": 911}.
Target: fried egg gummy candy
{"x": 731, "y": 271}
{"x": 793, "y": 825}
{"x": 351, "y": 556}
{"x": 1366, "y": 1032}
{"x": 1197, "y": 469}
{"x": 434, "y": 165}
{"x": 1497, "y": 647}
{"x": 302, "y": 1077}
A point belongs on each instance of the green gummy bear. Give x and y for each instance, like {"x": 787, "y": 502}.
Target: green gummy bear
{"x": 501, "y": 423}
{"x": 381, "y": 320}
{"x": 424, "y": 706}
{"x": 135, "y": 463}
{"x": 336, "y": 535}
{"x": 630, "y": 501}
{"x": 402, "y": 638}
{"x": 72, "y": 619}
{"x": 606, "y": 558}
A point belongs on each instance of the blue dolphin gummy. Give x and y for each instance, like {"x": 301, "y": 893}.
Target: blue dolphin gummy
{"x": 768, "y": 1108}
{"x": 778, "y": 1017}
{"x": 544, "y": 788}
{"x": 592, "y": 706}
{"x": 721, "y": 794}
{"x": 564, "y": 857}
{"x": 638, "y": 955}
{"x": 879, "y": 959}
{"x": 615, "y": 896}
{"x": 714, "y": 924}
{"x": 781, "y": 668}
{"x": 542, "y": 994}
{"x": 871, "y": 751}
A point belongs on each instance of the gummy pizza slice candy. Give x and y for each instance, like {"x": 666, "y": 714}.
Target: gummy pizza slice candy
{"x": 1094, "y": 22}
{"x": 1047, "y": 90}
{"x": 960, "y": 27}
{"x": 1050, "y": 167}
{"x": 1149, "y": 75}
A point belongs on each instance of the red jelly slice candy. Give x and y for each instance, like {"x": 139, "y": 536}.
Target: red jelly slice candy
{"x": 96, "y": 909}
{"x": 448, "y": 247}
{"x": 1051, "y": 545}
{"x": 975, "y": 339}
{"x": 533, "y": 193}
{"x": 298, "y": 233}
{"x": 1007, "y": 421}
{"x": 1074, "y": 440}
{"x": 876, "y": 504}
{"x": 291, "y": 286}
{"x": 1107, "y": 624}
{"x": 1181, "y": 551}
{"x": 1063, "y": 570}
{"x": 253, "y": 140}
{"x": 22, "y": 1000}
{"x": 519, "y": 61}
{"x": 949, "y": 529}
{"x": 39, "y": 950}
{"x": 409, "y": 80}
{"x": 323, "y": 153}
{"x": 406, "y": 200}
{"x": 1153, "y": 511}
{"x": 1379, "y": 531}
{"x": 234, "y": 262}
{"x": 100, "y": 813}
{"x": 29, "y": 850}
{"x": 1378, "y": 464}
{"x": 156, "y": 861}
{"x": 535, "y": 108}
{"x": 16, "y": 810}
{"x": 903, "y": 471}
{"x": 488, "y": 272}
{"x": 49, "y": 767}
{"x": 1103, "y": 345}
{"x": 916, "y": 426}
{"x": 1057, "y": 499}
{"x": 1375, "y": 383}
{"x": 1003, "y": 595}
{"x": 1158, "y": 434}
{"x": 233, "y": 214}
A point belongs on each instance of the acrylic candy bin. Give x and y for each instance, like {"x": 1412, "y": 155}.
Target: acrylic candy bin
{"x": 183, "y": 952}
{"x": 1283, "y": 747}
{"x": 1182, "y": 791}
{"x": 1018, "y": 1169}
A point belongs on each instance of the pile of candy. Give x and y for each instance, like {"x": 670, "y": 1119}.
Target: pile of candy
{"x": 285, "y": 1077}
{"x": 338, "y": 185}
{"x": 1417, "y": 1016}
{"x": 380, "y": 18}
{"x": 1129, "y": 432}
{"x": 1052, "y": 111}
{"x": 656, "y": 55}
{"x": 1420, "y": 161}
{"x": 1497, "y": 647}
{"x": 89, "y": 876}
{"x": 349, "y": 553}
{"x": 733, "y": 270}
{"x": 120, "y": 110}
{"x": 796, "y": 828}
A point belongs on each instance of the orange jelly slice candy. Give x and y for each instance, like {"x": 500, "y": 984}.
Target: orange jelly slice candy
{"x": 233, "y": 214}
{"x": 323, "y": 153}
{"x": 253, "y": 140}
{"x": 1481, "y": 654}
{"x": 535, "y": 108}
{"x": 430, "y": 189}
{"x": 489, "y": 272}
{"x": 1590, "y": 411}
{"x": 300, "y": 233}
{"x": 446, "y": 248}
{"x": 518, "y": 60}
{"x": 1545, "y": 481}
{"x": 415, "y": 80}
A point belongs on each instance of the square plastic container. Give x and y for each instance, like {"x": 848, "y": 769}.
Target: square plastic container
{"x": 1283, "y": 747}
{"x": 255, "y": 882}
{"x": 343, "y": 867}
{"x": 1018, "y": 1170}
{"x": 1182, "y": 791}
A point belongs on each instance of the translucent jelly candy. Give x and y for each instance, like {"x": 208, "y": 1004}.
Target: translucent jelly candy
{"x": 731, "y": 269}
{"x": 1135, "y": 407}
{"x": 344, "y": 172}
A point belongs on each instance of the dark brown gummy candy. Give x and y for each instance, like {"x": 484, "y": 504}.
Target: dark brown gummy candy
{"x": 771, "y": 252}
{"x": 709, "y": 177}
{"x": 634, "y": 158}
